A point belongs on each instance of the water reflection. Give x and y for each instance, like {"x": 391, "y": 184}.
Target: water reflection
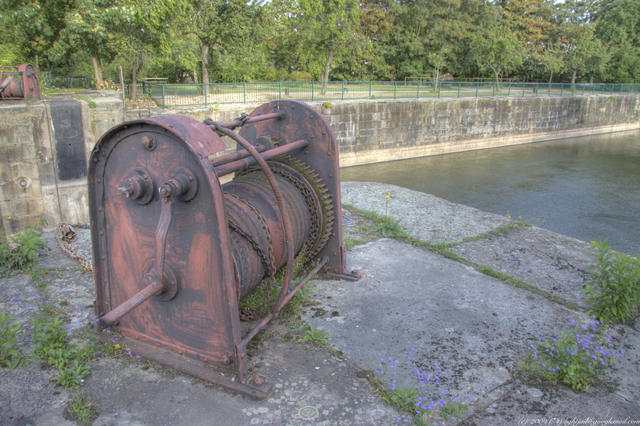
{"x": 587, "y": 187}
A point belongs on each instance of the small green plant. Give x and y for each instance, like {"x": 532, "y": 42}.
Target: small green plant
{"x": 455, "y": 409}
{"x": 314, "y": 336}
{"x": 351, "y": 242}
{"x": 613, "y": 288}
{"x": 10, "y": 356}
{"x": 81, "y": 409}
{"x": 39, "y": 277}
{"x": 402, "y": 399}
{"x": 51, "y": 345}
{"x": 578, "y": 358}
{"x": 22, "y": 253}
{"x": 327, "y": 105}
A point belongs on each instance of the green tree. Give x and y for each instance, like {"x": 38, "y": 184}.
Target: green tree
{"x": 618, "y": 27}
{"x": 326, "y": 28}
{"x": 33, "y": 27}
{"x": 140, "y": 30}
{"x": 497, "y": 49}
{"x": 89, "y": 29}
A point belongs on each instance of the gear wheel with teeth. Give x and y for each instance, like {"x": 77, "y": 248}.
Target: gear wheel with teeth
{"x": 317, "y": 198}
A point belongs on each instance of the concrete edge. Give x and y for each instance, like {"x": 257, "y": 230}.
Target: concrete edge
{"x": 348, "y": 159}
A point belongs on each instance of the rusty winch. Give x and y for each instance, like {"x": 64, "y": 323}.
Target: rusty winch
{"x": 19, "y": 82}
{"x": 174, "y": 250}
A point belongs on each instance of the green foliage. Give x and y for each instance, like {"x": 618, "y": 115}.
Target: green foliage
{"x": 455, "y": 409}
{"x": 613, "y": 289}
{"x": 81, "y": 409}
{"x": 578, "y": 358}
{"x": 10, "y": 356}
{"x": 314, "y": 336}
{"x": 306, "y": 40}
{"x": 22, "y": 253}
{"x": 51, "y": 345}
{"x": 402, "y": 399}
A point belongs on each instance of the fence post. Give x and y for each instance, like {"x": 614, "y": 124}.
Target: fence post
{"x": 418, "y": 92}
{"x": 205, "y": 90}
{"x": 493, "y": 89}
{"x": 561, "y": 89}
{"x": 476, "y": 89}
{"x": 458, "y": 84}
{"x": 164, "y": 105}
{"x": 343, "y": 90}
{"x": 312, "y": 89}
{"x": 438, "y": 89}
{"x": 394, "y": 89}
{"x": 279, "y": 90}
{"x": 244, "y": 92}
{"x": 509, "y": 90}
{"x": 523, "y": 86}
{"x": 370, "y": 84}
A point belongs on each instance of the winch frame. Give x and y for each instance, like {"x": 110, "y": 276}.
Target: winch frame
{"x": 174, "y": 292}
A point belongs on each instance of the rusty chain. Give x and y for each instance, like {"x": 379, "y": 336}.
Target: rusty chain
{"x": 65, "y": 235}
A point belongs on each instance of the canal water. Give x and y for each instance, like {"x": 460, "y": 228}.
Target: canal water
{"x": 586, "y": 187}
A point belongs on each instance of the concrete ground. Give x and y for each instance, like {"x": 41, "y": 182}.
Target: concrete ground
{"x": 425, "y": 320}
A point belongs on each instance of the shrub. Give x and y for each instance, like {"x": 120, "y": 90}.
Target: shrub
{"x": 613, "y": 289}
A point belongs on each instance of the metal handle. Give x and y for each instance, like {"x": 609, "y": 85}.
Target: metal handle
{"x": 155, "y": 278}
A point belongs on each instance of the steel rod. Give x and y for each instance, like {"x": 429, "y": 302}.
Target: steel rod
{"x": 241, "y": 122}
{"x": 238, "y": 165}
{"x": 238, "y": 155}
{"x": 121, "y": 310}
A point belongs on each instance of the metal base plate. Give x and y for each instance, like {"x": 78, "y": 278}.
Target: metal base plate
{"x": 196, "y": 368}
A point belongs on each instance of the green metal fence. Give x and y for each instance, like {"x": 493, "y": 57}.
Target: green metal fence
{"x": 59, "y": 81}
{"x": 175, "y": 95}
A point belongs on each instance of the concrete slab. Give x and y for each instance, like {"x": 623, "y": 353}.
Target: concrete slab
{"x": 425, "y": 216}
{"x": 555, "y": 263}
{"x": 415, "y": 315}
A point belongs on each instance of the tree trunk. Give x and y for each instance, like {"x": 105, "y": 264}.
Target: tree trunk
{"x": 134, "y": 75}
{"x": 325, "y": 72}
{"x": 573, "y": 78}
{"x": 496, "y": 71}
{"x": 551, "y": 77}
{"x": 97, "y": 71}
{"x": 204, "y": 56}
{"x": 437, "y": 79}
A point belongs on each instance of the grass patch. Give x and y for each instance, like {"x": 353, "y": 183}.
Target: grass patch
{"x": 613, "y": 288}
{"x": 53, "y": 347}
{"x": 504, "y": 229}
{"x": 351, "y": 242}
{"x": 80, "y": 409}
{"x": 21, "y": 253}
{"x": 10, "y": 356}
{"x": 455, "y": 409}
{"x": 314, "y": 336}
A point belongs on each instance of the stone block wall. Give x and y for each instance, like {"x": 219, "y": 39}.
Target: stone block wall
{"x": 44, "y": 151}
{"x": 376, "y": 131}
{"x": 45, "y": 146}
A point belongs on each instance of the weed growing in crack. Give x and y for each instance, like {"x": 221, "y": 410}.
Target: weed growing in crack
{"x": 314, "y": 336}
{"x": 52, "y": 346}
{"x": 81, "y": 409}
{"x": 10, "y": 356}
{"x": 613, "y": 288}
{"x": 423, "y": 402}
{"x": 579, "y": 357}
